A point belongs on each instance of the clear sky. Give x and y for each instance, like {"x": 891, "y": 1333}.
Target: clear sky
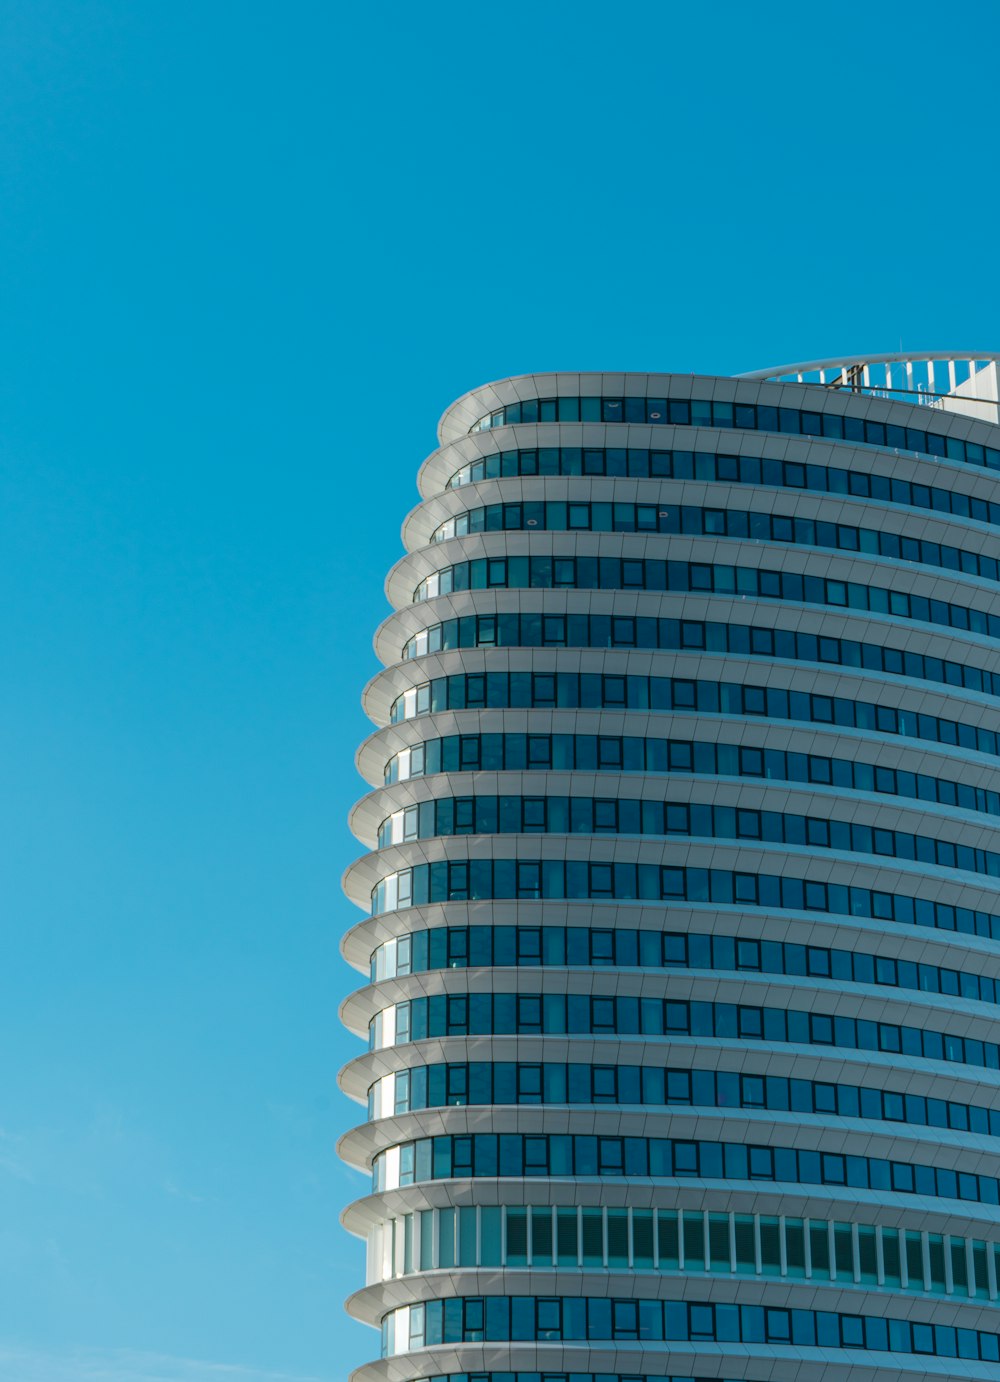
{"x": 248, "y": 253}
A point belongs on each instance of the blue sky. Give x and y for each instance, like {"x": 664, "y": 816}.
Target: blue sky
{"x": 248, "y": 253}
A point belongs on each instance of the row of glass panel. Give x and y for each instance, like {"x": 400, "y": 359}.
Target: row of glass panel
{"x": 549, "y": 1376}
{"x": 713, "y": 466}
{"x": 618, "y": 753}
{"x": 533, "y": 1155}
{"x": 555, "y": 1319}
{"x": 599, "y": 816}
{"x": 473, "y": 880}
{"x": 699, "y": 578}
{"x": 747, "y": 417}
{"x": 538, "y": 630}
{"x": 694, "y": 1241}
{"x": 584, "y": 1014}
{"x": 483, "y": 947}
{"x": 748, "y": 524}
{"x": 679, "y": 695}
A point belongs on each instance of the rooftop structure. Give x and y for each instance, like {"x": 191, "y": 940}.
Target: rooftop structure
{"x": 954, "y": 381}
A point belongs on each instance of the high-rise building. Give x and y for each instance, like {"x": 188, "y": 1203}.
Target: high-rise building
{"x": 682, "y": 907}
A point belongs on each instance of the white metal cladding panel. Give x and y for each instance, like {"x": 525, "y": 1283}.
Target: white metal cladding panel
{"x": 975, "y": 1154}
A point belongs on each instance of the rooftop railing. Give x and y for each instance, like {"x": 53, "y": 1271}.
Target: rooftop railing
{"x": 935, "y": 379}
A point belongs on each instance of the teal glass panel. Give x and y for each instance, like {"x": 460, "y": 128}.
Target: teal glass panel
{"x": 666, "y": 1232}
{"x": 517, "y": 1238}
{"x": 979, "y": 1267}
{"x": 915, "y": 1262}
{"x": 694, "y": 1241}
{"x": 541, "y": 1237}
{"x": 642, "y": 1238}
{"x": 844, "y": 1249}
{"x": 936, "y": 1245}
{"x": 746, "y": 1258}
{"x": 593, "y": 1238}
{"x": 770, "y": 1246}
{"x": 467, "y": 1237}
{"x": 426, "y": 1240}
{"x": 617, "y": 1237}
{"x": 566, "y": 1237}
{"x": 819, "y": 1248}
{"x": 718, "y": 1242}
{"x": 490, "y": 1236}
{"x": 446, "y": 1237}
{"x": 795, "y": 1247}
{"x": 891, "y": 1257}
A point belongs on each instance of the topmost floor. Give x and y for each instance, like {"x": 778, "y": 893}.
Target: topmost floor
{"x": 942, "y": 405}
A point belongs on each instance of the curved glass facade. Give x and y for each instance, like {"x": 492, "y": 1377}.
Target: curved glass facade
{"x": 549, "y": 1376}
{"x": 627, "y": 753}
{"x": 479, "y": 1319}
{"x": 684, "y": 695}
{"x": 722, "y": 1005}
{"x": 580, "y": 1014}
{"x": 584, "y": 947}
{"x": 601, "y": 880}
{"x": 466, "y": 1083}
{"x": 746, "y": 417}
{"x": 560, "y": 1155}
{"x": 685, "y": 1242}
{"x": 673, "y": 519}
{"x": 702, "y": 578}
{"x": 763, "y": 472}
{"x": 531, "y": 630}
{"x": 490, "y": 815}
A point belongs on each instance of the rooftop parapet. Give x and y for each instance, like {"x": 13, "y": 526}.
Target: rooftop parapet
{"x": 953, "y": 381}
